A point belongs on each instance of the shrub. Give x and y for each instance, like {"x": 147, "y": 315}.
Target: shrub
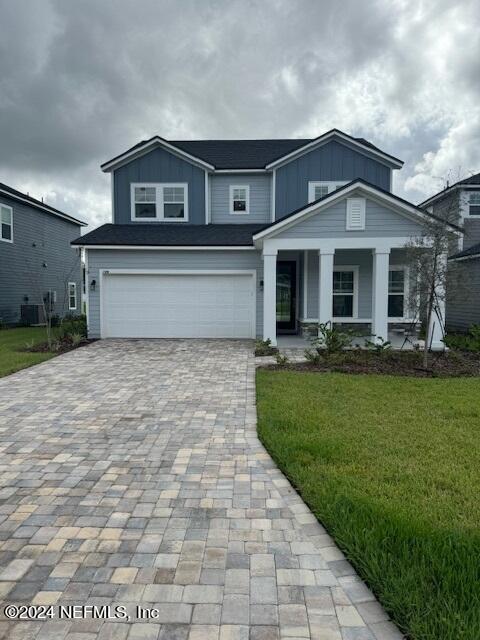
{"x": 314, "y": 357}
{"x": 282, "y": 359}
{"x": 465, "y": 342}
{"x": 331, "y": 339}
{"x": 379, "y": 346}
{"x": 72, "y": 325}
{"x": 265, "y": 348}
{"x": 76, "y": 338}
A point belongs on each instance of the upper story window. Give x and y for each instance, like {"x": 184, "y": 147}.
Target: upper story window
{"x": 474, "y": 204}
{"x": 239, "y": 199}
{"x": 6, "y": 223}
{"x": 160, "y": 202}
{"x": 318, "y": 190}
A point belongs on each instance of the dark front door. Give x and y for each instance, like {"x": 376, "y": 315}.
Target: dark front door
{"x": 286, "y": 296}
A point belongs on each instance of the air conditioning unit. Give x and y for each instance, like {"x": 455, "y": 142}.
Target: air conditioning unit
{"x": 32, "y": 314}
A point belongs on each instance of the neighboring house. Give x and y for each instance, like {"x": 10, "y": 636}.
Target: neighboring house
{"x": 460, "y": 203}
{"x": 38, "y": 267}
{"x": 250, "y": 238}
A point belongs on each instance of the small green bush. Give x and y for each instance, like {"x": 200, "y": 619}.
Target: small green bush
{"x": 265, "y": 348}
{"x": 379, "y": 346}
{"x": 72, "y": 325}
{"x": 282, "y": 360}
{"x": 465, "y": 341}
{"x": 331, "y": 339}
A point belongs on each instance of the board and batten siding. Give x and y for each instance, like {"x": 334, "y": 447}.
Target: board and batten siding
{"x": 463, "y": 297}
{"x": 39, "y": 259}
{"x": 330, "y": 162}
{"x": 330, "y": 222}
{"x": 182, "y": 260}
{"x": 158, "y": 166}
{"x": 260, "y": 198}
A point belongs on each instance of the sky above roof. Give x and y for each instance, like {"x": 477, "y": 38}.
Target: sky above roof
{"x": 80, "y": 82}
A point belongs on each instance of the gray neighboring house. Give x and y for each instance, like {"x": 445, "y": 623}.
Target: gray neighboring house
{"x": 251, "y": 238}
{"x": 36, "y": 259}
{"x": 461, "y": 204}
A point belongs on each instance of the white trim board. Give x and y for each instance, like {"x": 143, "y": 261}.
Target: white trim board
{"x": 146, "y": 247}
{"x": 43, "y": 207}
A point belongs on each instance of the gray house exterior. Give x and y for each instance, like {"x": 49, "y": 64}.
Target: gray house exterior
{"x": 460, "y": 203}
{"x": 36, "y": 259}
{"x": 250, "y": 238}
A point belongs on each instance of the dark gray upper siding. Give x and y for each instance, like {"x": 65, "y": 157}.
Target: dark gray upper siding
{"x": 332, "y": 161}
{"x": 463, "y": 296}
{"x": 39, "y": 239}
{"x": 159, "y": 166}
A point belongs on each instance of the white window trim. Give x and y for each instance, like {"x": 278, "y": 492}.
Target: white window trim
{"x": 247, "y": 199}
{"x": 6, "y": 206}
{"x": 355, "y": 269}
{"x": 331, "y": 184}
{"x": 406, "y": 275}
{"x": 159, "y": 187}
{"x": 74, "y": 285}
{"x": 348, "y": 225}
{"x": 469, "y": 204}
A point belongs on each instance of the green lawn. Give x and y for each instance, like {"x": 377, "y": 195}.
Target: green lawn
{"x": 391, "y": 467}
{"x": 12, "y": 343}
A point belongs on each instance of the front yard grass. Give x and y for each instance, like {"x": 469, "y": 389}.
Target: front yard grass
{"x": 12, "y": 345}
{"x": 391, "y": 467}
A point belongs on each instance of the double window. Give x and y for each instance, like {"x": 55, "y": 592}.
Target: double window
{"x": 164, "y": 202}
{"x": 6, "y": 223}
{"x": 72, "y": 296}
{"x": 317, "y": 190}
{"x": 474, "y": 204}
{"x": 396, "y": 292}
{"x": 239, "y": 199}
{"x": 345, "y": 290}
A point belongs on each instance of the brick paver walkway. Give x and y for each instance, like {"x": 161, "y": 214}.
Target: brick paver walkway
{"x": 131, "y": 475}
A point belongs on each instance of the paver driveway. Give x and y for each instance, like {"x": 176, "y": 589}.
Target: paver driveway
{"x": 131, "y": 474}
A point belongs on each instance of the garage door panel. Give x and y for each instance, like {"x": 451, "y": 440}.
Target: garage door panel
{"x": 178, "y": 306}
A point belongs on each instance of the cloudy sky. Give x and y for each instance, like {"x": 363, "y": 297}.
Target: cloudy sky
{"x": 82, "y": 80}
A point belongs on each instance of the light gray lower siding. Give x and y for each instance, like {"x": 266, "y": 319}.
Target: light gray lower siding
{"x": 182, "y": 260}
{"x": 260, "y": 202}
{"x": 463, "y": 296}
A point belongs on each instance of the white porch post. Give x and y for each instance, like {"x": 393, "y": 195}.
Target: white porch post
{"x": 325, "y": 285}
{"x": 436, "y": 328}
{"x": 270, "y": 296}
{"x": 381, "y": 260}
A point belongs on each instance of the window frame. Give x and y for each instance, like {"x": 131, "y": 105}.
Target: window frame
{"x": 159, "y": 201}
{"x": 354, "y": 294}
{"x": 332, "y": 185}
{"x": 74, "y": 285}
{"x": 6, "y": 206}
{"x": 232, "y": 187}
{"x": 406, "y": 273}
{"x": 476, "y": 216}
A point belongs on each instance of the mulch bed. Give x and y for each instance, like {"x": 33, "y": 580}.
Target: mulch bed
{"x": 63, "y": 346}
{"x": 396, "y": 363}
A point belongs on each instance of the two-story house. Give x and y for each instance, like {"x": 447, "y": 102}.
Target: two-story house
{"x": 460, "y": 203}
{"x": 38, "y": 269}
{"x": 250, "y": 238}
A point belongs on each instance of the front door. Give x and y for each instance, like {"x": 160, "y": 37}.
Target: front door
{"x": 286, "y": 296}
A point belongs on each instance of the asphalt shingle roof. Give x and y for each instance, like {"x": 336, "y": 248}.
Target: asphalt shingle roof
{"x": 173, "y": 234}
{"x": 474, "y": 250}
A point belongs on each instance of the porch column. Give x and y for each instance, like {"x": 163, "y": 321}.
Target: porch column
{"x": 270, "y": 296}
{"x": 325, "y": 285}
{"x": 436, "y": 328}
{"x": 381, "y": 261}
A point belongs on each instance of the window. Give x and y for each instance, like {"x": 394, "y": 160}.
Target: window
{"x": 396, "y": 293}
{"x": 154, "y": 202}
{"x": 239, "y": 199}
{"x": 6, "y": 223}
{"x": 474, "y": 204}
{"x": 72, "y": 296}
{"x": 355, "y": 214}
{"x": 318, "y": 190}
{"x": 345, "y": 292}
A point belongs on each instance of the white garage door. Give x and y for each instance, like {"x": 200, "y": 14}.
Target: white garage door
{"x": 178, "y": 306}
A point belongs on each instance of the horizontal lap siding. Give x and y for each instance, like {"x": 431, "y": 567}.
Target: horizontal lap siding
{"x": 181, "y": 260}
{"x": 380, "y": 222}
{"x": 463, "y": 297}
{"x": 22, "y": 270}
{"x": 260, "y": 198}
{"x": 331, "y": 162}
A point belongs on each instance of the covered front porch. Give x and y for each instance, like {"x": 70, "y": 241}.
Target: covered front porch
{"x": 362, "y": 288}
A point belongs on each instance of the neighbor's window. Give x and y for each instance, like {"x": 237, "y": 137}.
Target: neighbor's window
{"x": 343, "y": 293}
{"x": 159, "y": 202}
{"x": 6, "y": 223}
{"x": 145, "y": 202}
{"x": 396, "y": 293}
{"x": 239, "y": 196}
{"x": 474, "y": 202}
{"x": 317, "y": 190}
{"x": 72, "y": 296}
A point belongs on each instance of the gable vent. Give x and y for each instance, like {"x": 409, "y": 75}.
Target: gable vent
{"x": 355, "y": 214}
